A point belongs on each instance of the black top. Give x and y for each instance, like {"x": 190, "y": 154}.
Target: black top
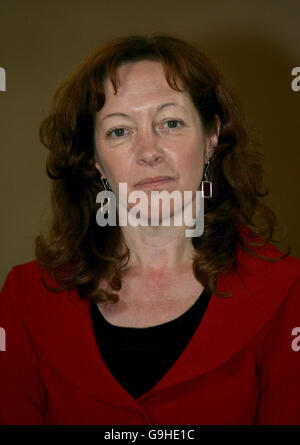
{"x": 139, "y": 357}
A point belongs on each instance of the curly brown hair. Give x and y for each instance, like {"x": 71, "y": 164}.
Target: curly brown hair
{"x": 77, "y": 251}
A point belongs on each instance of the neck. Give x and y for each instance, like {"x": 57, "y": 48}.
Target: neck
{"x": 158, "y": 249}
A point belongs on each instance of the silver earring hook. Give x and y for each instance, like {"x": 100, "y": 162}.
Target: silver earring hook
{"x": 205, "y": 171}
{"x": 206, "y": 184}
{"x": 105, "y": 184}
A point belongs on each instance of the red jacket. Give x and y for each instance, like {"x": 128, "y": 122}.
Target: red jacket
{"x": 242, "y": 365}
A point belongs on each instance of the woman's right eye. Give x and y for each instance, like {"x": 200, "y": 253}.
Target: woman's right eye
{"x": 118, "y": 132}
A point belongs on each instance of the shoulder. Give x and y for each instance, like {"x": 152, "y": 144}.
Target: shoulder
{"x": 273, "y": 287}
{"x": 262, "y": 289}
{"x": 24, "y": 271}
{"x": 25, "y": 289}
{"x": 267, "y": 250}
{"x": 267, "y": 264}
{"x": 29, "y": 277}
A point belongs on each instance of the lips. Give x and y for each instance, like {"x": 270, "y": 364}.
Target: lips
{"x": 154, "y": 180}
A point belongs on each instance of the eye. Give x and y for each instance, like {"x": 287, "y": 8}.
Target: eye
{"x": 117, "y": 132}
{"x": 173, "y": 124}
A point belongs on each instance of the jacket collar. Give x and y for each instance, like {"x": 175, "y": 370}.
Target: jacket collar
{"x": 227, "y": 326}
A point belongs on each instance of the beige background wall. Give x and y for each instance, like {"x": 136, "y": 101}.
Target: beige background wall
{"x": 255, "y": 42}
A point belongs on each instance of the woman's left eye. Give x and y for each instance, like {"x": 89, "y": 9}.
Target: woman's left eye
{"x": 116, "y": 133}
{"x": 173, "y": 123}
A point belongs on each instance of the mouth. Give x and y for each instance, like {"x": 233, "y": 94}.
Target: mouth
{"x": 153, "y": 181}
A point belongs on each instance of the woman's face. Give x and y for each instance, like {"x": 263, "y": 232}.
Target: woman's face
{"x": 147, "y": 130}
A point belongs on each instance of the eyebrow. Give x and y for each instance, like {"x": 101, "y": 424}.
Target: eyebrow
{"x": 159, "y": 108}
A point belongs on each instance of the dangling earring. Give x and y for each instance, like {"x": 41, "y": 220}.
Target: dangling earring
{"x": 206, "y": 184}
{"x": 105, "y": 184}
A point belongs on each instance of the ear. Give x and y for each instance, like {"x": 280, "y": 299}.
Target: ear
{"x": 98, "y": 165}
{"x": 213, "y": 138}
{"x": 99, "y": 168}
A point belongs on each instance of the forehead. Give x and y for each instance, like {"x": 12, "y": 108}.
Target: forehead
{"x": 140, "y": 81}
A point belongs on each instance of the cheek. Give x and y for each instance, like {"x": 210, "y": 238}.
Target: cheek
{"x": 118, "y": 168}
{"x": 108, "y": 159}
{"x": 190, "y": 164}
{"x": 190, "y": 157}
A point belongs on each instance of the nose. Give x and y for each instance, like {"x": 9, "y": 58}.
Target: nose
{"x": 148, "y": 148}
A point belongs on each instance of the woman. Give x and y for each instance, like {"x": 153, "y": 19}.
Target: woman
{"x": 141, "y": 324}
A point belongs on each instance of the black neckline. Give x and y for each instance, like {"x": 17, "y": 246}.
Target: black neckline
{"x": 117, "y": 335}
{"x": 139, "y": 357}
